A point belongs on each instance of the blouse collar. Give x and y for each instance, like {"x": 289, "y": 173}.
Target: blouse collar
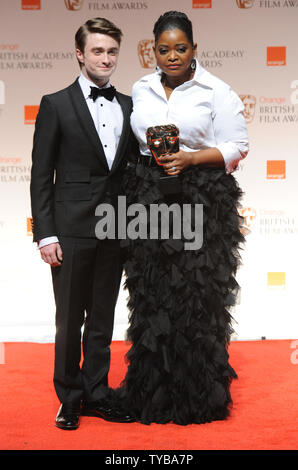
{"x": 200, "y": 78}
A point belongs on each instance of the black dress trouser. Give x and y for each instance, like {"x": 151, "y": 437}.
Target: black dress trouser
{"x": 86, "y": 288}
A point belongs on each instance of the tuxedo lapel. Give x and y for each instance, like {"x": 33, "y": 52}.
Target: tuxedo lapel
{"x": 86, "y": 121}
{"x": 125, "y": 130}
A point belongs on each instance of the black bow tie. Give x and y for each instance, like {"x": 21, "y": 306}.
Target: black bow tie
{"x": 107, "y": 93}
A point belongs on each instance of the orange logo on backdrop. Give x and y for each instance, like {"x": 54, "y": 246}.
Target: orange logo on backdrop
{"x": 276, "y": 169}
{"x": 276, "y": 279}
{"x": 146, "y": 54}
{"x": 29, "y": 226}
{"x": 249, "y": 103}
{"x": 245, "y": 3}
{"x": 30, "y": 114}
{"x": 74, "y": 5}
{"x": 276, "y": 55}
{"x": 202, "y": 3}
{"x": 31, "y": 4}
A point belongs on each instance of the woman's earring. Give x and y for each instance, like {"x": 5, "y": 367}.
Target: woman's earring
{"x": 193, "y": 65}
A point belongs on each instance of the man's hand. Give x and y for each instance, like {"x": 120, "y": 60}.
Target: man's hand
{"x": 52, "y": 254}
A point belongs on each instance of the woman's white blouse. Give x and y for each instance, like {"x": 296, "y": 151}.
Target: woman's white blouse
{"x": 206, "y": 110}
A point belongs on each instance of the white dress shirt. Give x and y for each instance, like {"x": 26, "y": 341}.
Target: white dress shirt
{"x": 107, "y": 116}
{"x": 108, "y": 120}
{"x": 206, "y": 110}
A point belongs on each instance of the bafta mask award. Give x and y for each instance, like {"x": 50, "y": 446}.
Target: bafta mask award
{"x": 164, "y": 140}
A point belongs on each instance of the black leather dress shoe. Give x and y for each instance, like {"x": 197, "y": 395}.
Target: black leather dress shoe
{"x": 68, "y": 416}
{"x": 103, "y": 409}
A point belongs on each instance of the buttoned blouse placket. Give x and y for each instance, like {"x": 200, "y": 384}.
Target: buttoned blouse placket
{"x": 157, "y": 87}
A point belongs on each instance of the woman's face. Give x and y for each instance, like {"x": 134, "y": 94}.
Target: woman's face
{"x": 174, "y": 53}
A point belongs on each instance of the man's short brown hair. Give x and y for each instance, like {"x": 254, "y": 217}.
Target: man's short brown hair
{"x": 96, "y": 25}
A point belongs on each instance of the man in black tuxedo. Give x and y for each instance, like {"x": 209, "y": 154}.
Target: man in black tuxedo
{"x": 81, "y": 144}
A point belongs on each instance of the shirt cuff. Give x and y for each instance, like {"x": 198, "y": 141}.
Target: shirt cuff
{"x": 47, "y": 241}
{"x": 232, "y": 154}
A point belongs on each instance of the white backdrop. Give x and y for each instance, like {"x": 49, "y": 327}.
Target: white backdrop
{"x": 252, "y": 45}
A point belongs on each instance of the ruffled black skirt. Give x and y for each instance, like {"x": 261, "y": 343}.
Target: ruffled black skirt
{"x": 179, "y": 302}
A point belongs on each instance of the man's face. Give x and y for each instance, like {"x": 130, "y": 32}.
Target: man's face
{"x": 99, "y": 58}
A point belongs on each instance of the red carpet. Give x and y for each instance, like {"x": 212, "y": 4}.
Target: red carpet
{"x": 264, "y": 416}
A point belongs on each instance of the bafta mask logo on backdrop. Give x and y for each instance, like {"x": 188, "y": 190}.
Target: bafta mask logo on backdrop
{"x": 31, "y": 4}
{"x": 30, "y": 113}
{"x": 2, "y": 93}
{"x": 146, "y": 54}
{"x": 202, "y": 3}
{"x": 276, "y": 56}
{"x": 245, "y": 3}
{"x": 249, "y": 214}
{"x": 276, "y": 169}
{"x": 74, "y": 5}
{"x": 294, "y": 94}
{"x": 249, "y": 103}
{"x": 29, "y": 226}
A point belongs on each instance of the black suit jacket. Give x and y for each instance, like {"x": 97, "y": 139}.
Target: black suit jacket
{"x": 70, "y": 175}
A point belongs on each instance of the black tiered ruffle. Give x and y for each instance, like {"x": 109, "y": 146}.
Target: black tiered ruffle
{"x": 179, "y": 301}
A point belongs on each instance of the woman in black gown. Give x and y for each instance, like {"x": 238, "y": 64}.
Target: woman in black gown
{"x": 179, "y": 300}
